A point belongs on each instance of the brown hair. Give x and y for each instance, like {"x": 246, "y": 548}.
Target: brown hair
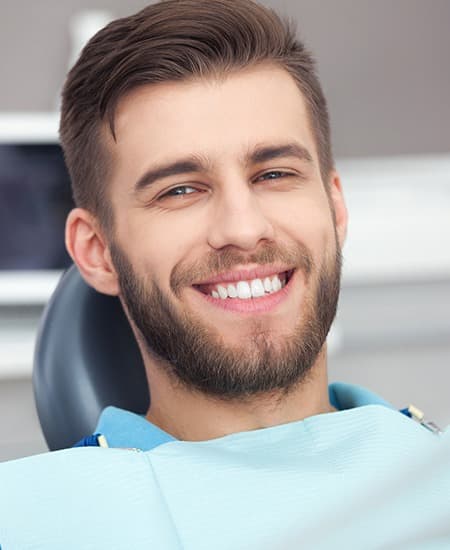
{"x": 173, "y": 40}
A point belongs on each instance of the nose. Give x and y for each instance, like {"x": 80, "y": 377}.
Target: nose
{"x": 238, "y": 220}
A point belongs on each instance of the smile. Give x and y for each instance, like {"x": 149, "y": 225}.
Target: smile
{"x": 247, "y": 289}
{"x": 257, "y": 291}
{"x": 248, "y": 292}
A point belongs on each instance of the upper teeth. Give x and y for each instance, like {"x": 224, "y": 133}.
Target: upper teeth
{"x": 250, "y": 289}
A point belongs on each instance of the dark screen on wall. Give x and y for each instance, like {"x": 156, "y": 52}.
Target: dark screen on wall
{"x": 35, "y": 198}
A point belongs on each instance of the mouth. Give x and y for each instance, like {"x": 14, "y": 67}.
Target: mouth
{"x": 254, "y": 289}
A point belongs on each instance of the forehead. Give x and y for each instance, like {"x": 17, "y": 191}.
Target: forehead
{"x": 216, "y": 118}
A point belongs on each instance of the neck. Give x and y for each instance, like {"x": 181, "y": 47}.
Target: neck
{"x": 191, "y": 416}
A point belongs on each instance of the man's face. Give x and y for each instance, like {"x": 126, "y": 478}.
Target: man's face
{"x": 224, "y": 241}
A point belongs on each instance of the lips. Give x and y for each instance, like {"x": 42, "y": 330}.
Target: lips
{"x": 241, "y": 284}
{"x": 265, "y": 304}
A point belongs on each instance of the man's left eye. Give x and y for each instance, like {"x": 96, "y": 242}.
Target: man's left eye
{"x": 273, "y": 175}
{"x": 180, "y": 190}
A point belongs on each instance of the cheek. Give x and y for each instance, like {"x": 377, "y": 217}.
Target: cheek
{"x": 156, "y": 247}
{"x": 307, "y": 220}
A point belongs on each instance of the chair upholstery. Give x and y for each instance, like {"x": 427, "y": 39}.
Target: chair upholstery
{"x": 86, "y": 358}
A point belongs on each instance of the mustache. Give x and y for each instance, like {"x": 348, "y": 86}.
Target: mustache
{"x": 215, "y": 263}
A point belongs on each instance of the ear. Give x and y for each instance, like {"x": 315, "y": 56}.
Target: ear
{"x": 88, "y": 248}
{"x": 336, "y": 197}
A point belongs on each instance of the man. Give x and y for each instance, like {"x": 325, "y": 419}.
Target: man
{"x": 197, "y": 138}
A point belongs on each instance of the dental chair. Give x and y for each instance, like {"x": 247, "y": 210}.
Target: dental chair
{"x": 86, "y": 358}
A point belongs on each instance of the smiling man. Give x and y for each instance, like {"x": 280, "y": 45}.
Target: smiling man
{"x": 197, "y": 138}
{"x": 224, "y": 246}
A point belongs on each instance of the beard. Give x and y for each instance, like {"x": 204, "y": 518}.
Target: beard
{"x": 193, "y": 353}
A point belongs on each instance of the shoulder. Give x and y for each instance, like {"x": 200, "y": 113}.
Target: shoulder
{"x": 78, "y": 462}
{"x": 85, "y": 492}
{"x": 60, "y": 476}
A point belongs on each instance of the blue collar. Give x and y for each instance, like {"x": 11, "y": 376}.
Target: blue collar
{"x": 349, "y": 396}
{"x": 129, "y": 430}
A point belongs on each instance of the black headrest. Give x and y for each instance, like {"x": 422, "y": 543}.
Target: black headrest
{"x": 86, "y": 358}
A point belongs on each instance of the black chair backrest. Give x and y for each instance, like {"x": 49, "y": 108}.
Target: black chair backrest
{"x": 86, "y": 358}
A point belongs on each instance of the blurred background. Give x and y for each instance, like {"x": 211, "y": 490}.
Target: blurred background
{"x": 385, "y": 70}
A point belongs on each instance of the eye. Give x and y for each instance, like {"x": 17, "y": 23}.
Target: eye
{"x": 179, "y": 191}
{"x": 273, "y": 175}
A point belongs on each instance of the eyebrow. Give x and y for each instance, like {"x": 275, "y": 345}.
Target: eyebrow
{"x": 194, "y": 164}
{"x": 182, "y": 166}
{"x": 265, "y": 153}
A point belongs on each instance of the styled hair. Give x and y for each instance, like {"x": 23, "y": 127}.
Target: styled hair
{"x": 170, "y": 41}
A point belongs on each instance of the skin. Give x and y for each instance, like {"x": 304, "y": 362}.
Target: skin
{"x": 230, "y": 204}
